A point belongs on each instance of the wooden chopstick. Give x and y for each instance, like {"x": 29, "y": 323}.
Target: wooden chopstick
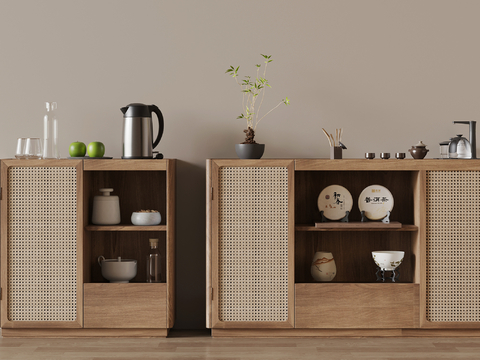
{"x": 328, "y": 137}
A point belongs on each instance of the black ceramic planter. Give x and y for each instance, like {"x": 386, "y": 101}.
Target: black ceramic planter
{"x": 249, "y": 151}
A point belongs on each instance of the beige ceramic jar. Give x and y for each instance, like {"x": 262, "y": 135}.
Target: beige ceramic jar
{"x": 106, "y": 208}
{"x": 323, "y": 266}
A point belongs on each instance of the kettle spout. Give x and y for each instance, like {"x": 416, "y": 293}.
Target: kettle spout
{"x": 124, "y": 109}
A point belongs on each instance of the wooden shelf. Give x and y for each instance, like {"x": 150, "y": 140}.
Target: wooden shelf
{"x": 356, "y": 226}
{"x": 363, "y": 283}
{"x": 125, "y": 227}
{"x": 125, "y": 165}
{"x": 385, "y": 165}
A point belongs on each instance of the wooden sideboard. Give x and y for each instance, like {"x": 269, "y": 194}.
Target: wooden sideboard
{"x": 261, "y": 239}
{"x": 51, "y": 281}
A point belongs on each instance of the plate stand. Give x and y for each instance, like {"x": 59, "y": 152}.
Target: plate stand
{"x": 381, "y": 277}
{"x": 344, "y": 219}
{"x": 385, "y": 220}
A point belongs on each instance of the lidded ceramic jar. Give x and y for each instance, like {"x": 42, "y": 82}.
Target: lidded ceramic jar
{"x": 106, "y": 208}
{"x": 418, "y": 151}
{"x": 323, "y": 266}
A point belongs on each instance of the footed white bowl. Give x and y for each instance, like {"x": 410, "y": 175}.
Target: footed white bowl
{"x": 146, "y": 218}
{"x": 388, "y": 260}
{"x": 118, "y": 270}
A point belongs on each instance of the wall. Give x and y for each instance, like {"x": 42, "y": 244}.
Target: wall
{"x": 390, "y": 73}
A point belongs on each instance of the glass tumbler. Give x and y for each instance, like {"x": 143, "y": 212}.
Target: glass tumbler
{"x": 33, "y": 148}
{"x": 20, "y": 154}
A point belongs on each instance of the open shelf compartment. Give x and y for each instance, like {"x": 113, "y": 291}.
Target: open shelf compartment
{"x": 137, "y": 190}
{"x": 352, "y": 243}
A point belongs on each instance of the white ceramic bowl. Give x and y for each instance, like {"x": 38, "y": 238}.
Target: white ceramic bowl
{"x": 388, "y": 260}
{"x": 146, "y": 218}
{"x": 118, "y": 270}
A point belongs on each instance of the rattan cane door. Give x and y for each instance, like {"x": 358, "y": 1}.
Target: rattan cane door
{"x": 453, "y": 249}
{"x": 252, "y": 283}
{"x": 41, "y": 244}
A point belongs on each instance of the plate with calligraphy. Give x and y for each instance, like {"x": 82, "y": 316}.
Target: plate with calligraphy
{"x": 376, "y": 201}
{"x": 335, "y": 201}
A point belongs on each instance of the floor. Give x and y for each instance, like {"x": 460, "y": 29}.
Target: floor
{"x": 199, "y": 345}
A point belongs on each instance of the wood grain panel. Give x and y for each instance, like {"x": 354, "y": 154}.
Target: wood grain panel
{"x": 283, "y": 333}
{"x": 385, "y": 165}
{"x": 170, "y": 241}
{"x": 3, "y": 242}
{"x": 125, "y": 305}
{"x": 356, "y": 305}
{"x": 125, "y": 165}
{"x": 208, "y": 245}
{"x": 125, "y": 227}
{"x": 81, "y": 333}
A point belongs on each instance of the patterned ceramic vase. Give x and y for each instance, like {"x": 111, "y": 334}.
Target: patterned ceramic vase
{"x": 323, "y": 266}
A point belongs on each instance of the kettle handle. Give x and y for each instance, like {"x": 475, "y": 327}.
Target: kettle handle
{"x": 156, "y": 110}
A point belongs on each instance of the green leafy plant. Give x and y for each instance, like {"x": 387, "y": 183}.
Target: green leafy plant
{"x": 253, "y": 90}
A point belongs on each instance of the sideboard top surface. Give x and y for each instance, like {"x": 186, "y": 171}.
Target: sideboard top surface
{"x": 362, "y": 164}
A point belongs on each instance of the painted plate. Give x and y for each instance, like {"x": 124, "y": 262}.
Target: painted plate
{"x": 334, "y": 201}
{"x": 376, "y": 201}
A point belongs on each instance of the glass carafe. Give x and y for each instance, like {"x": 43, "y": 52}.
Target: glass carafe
{"x": 50, "y": 132}
{"x": 154, "y": 272}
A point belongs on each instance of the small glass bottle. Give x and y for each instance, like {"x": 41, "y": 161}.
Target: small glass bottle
{"x": 154, "y": 272}
{"x": 50, "y": 132}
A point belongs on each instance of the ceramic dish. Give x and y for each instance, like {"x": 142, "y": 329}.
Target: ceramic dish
{"x": 388, "y": 260}
{"x": 376, "y": 201}
{"x": 146, "y": 218}
{"x": 334, "y": 201}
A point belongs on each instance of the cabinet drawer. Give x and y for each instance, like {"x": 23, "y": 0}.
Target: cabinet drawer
{"x": 378, "y": 305}
{"x": 130, "y": 305}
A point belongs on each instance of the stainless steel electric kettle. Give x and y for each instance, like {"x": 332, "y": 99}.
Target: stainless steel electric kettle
{"x": 460, "y": 147}
{"x": 138, "y": 131}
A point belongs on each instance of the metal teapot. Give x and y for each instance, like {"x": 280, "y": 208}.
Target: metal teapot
{"x": 460, "y": 147}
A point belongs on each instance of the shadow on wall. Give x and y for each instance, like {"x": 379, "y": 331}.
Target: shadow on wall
{"x": 190, "y": 246}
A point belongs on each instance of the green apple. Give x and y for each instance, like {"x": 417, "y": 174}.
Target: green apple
{"x": 77, "y": 149}
{"x": 96, "y": 149}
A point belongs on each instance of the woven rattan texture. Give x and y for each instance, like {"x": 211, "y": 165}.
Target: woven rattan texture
{"x": 253, "y": 244}
{"x": 453, "y": 246}
{"x": 42, "y": 244}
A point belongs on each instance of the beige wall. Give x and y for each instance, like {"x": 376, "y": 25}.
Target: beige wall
{"x": 390, "y": 73}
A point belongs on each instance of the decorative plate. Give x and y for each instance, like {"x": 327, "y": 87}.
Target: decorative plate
{"x": 334, "y": 201}
{"x": 376, "y": 201}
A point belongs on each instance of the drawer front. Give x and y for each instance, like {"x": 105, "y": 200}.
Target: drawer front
{"x": 360, "y": 306}
{"x": 125, "y": 305}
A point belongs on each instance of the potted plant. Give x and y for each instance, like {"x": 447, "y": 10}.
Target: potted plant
{"x": 253, "y": 90}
